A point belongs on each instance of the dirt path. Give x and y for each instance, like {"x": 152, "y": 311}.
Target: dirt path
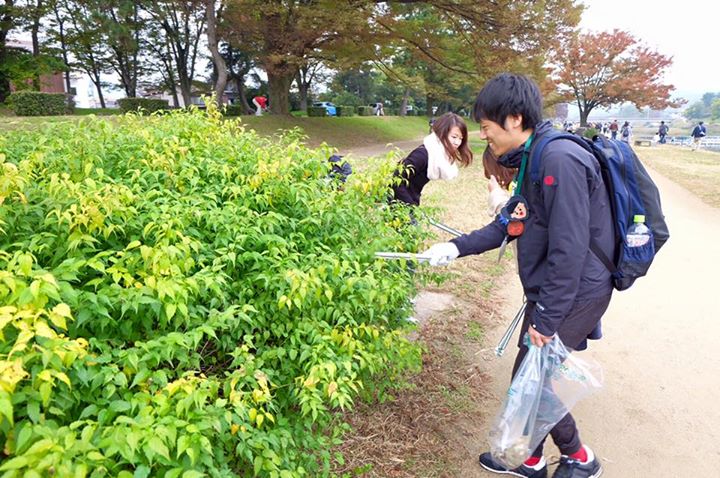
{"x": 380, "y": 149}
{"x": 657, "y": 415}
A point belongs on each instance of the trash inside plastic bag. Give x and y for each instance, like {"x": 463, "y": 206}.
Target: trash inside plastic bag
{"x": 548, "y": 384}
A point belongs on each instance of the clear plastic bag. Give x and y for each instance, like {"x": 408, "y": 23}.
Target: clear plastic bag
{"x": 548, "y": 384}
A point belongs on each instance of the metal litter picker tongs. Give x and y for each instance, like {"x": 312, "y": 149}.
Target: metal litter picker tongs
{"x": 417, "y": 257}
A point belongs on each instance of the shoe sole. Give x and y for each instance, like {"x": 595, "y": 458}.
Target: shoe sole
{"x": 504, "y": 472}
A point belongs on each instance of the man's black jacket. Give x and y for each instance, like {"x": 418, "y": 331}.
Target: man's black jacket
{"x": 568, "y": 206}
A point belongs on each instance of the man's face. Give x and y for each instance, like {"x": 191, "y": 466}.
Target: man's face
{"x": 501, "y": 140}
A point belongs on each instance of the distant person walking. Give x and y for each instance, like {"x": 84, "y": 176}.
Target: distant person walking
{"x": 698, "y": 133}
{"x": 626, "y": 132}
{"x": 260, "y": 103}
{"x": 614, "y": 129}
{"x": 379, "y": 110}
{"x": 662, "y": 132}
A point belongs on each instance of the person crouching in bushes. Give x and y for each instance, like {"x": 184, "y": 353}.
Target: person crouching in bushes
{"x": 437, "y": 158}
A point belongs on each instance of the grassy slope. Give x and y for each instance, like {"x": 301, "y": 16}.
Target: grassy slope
{"x": 697, "y": 171}
{"x": 343, "y": 132}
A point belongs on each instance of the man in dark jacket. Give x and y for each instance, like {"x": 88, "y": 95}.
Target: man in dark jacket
{"x": 567, "y": 286}
{"x": 662, "y": 132}
{"x": 698, "y": 133}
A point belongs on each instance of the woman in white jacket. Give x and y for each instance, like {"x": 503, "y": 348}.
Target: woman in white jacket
{"x": 437, "y": 158}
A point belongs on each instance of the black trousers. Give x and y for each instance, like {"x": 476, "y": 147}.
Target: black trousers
{"x": 579, "y": 324}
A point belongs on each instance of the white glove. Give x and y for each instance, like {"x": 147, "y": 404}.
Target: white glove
{"x": 442, "y": 254}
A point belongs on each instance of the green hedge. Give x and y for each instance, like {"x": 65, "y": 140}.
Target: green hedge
{"x": 185, "y": 298}
{"x": 234, "y": 110}
{"x": 316, "y": 111}
{"x": 35, "y": 103}
{"x": 147, "y": 105}
{"x": 345, "y": 111}
{"x": 364, "y": 110}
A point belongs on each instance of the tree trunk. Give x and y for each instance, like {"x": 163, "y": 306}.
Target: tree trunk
{"x": 404, "y": 104}
{"x": 36, "y": 41}
{"x": 172, "y": 83}
{"x": 240, "y": 84}
{"x": 98, "y": 86}
{"x": 218, "y": 60}
{"x": 303, "y": 88}
{"x": 4, "y": 80}
{"x": 429, "y": 106}
{"x": 63, "y": 45}
{"x": 279, "y": 86}
{"x": 185, "y": 87}
{"x": 584, "y": 113}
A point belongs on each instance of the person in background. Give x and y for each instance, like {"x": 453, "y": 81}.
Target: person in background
{"x": 698, "y": 133}
{"x": 438, "y": 157}
{"x": 260, "y": 103}
{"x": 613, "y": 129}
{"x": 626, "y": 132}
{"x": 662, "y": 132}
{"x": 379, "y": 109}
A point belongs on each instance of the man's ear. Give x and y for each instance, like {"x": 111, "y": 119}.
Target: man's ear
{"x": 513, "y": 122}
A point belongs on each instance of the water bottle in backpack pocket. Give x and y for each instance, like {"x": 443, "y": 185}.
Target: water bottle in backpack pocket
{"x": 638, "y": 249}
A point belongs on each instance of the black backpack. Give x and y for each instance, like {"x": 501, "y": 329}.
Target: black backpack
{"x": 631, "y": 191}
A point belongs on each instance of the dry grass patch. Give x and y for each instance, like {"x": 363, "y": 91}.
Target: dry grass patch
{"x": 697, "y": 171}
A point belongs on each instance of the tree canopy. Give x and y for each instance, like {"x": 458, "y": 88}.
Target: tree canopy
{"x": 608, "y": 68}
{"x": 432, "y": 48}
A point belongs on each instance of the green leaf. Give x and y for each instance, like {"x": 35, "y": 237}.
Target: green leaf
{"x": 6, "y": 408}
{"x": 14, "y": 463}
{"x": 158, "y": 447}
{"x": 170, "y": 310}
{"x": 193, "y": 474}
{"x": 258, "y": 464}
{"x": 23, "y": 437}
{"x": 141, "y": 471}
{"x": 120, "y": 406}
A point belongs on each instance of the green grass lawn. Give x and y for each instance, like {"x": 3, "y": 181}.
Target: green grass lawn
{"x": 339, "y": 132}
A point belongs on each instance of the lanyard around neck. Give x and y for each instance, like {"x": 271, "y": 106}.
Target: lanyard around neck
{"x": 523, "y": 165}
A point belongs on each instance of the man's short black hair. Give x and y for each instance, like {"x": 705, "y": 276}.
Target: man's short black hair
{"x": 506, "y": 95}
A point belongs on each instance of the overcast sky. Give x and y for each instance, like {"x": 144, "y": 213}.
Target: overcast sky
{"x": 689, "y": 31}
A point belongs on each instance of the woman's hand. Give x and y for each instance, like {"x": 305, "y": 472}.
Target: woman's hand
{"x": 493, "y": 184}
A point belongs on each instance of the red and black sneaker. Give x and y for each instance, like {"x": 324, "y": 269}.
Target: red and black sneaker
{"x": 537, "y": 471}
{"x": 571, "y": 468}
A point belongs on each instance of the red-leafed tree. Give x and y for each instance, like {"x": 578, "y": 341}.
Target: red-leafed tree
{"x": 608, "y": 68}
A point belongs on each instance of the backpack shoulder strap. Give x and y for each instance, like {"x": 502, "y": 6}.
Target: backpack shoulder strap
{"x": 536, "y": 155}
{"x": 535, "y": 165}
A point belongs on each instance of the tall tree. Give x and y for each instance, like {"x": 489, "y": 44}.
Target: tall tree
{"x": 239, "y": 63}
{"x": 7, "y": 22}
{"x": 183, "y": 23}
{"x": 284, "y": 33}
{"x": 84, "y": 38}
{"x": 122, "y": 26}
{"x": 58, "y": 32}
{"x": 305, "y": 77}
{"x": 218, "y": 60}
{"x": 608, "y": 68}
